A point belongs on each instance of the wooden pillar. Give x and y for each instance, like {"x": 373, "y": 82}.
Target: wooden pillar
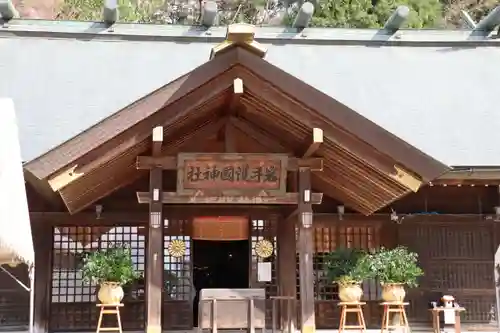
{"x": 306, "y": 250}
{"x": 287, "y": 274}
{"x": 154, "y": 259}
{"x": 42, "y": 241}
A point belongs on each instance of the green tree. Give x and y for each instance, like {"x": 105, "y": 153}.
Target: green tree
{"x": 374, "y": 13}
{"x": 145, "y": 11}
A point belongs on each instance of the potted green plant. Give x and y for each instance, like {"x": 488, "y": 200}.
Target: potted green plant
{"x": 395, "y": 268}
{"x": 348, "y": 268}
{"x": 111, "y": 268}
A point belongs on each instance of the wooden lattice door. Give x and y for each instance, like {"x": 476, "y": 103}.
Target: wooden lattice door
{"x": 73, "y": 302}
{"x": 264, "y": 227}
{"x": 178, "y": 291}
{"x": 329, "y": 237}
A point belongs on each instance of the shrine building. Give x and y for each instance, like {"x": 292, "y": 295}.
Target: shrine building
{"x": 238, "y": 157}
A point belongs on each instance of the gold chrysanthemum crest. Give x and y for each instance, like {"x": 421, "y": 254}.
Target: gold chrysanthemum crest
{"x": 176, "y": 248}
{"x": 264, "y": 248}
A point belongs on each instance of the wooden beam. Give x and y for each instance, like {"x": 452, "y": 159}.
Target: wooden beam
{"x": 154, "y": 259}
{"x": 175, "y": 198}
{"x": 170, "y": 163}
{"x": 89, "y": 218}
{"x": 306, "y": 251}
{"x": 135, "y": 218}
{"x": 317, "y": 140}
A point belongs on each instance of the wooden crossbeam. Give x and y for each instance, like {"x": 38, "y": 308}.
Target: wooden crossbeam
{"x": 170, "y": 163}
{"x": 175, "y": 198}
{"x": 316, "y": 141}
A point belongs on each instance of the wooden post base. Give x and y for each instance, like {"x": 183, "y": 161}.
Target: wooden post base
{"x": 394, "y": 308}
{"x": 109, "y": 309}
{"x": 352, "y": 307}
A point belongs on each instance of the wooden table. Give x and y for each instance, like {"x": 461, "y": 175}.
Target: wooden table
{"x": 435, "y": 318}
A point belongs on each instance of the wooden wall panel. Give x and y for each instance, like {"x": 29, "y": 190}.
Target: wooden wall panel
{"x": 458, "y": 259}
{"x": 329, "y": 237}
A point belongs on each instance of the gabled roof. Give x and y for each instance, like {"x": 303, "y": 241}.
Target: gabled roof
{"x": 365, "y": 166}
{"x": 411, "y": 83}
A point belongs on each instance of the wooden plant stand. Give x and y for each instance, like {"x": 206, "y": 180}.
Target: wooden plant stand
{"x": 109, "y": 309}
{"x": 394, "y": 308}
{"x": 352, "y": 307}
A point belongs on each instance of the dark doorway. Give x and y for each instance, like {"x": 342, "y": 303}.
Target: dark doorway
{"x": 219, "y": 264}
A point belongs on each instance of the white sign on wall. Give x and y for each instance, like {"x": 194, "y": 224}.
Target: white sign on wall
{"x": 264, "y": 272}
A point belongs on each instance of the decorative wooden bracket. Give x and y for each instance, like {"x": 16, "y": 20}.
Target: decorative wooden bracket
{"x": 406, "y": 178}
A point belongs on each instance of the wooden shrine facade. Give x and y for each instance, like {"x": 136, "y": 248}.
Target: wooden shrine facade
{"x": 236, "y": 139}
{"x": 456, "y": 251}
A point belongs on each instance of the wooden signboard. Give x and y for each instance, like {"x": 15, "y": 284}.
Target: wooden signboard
{"x": 231, "y": 174}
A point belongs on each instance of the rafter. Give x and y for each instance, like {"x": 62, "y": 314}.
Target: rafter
{"x": 316, "y": 141}
{"x": 157, "y": 140}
